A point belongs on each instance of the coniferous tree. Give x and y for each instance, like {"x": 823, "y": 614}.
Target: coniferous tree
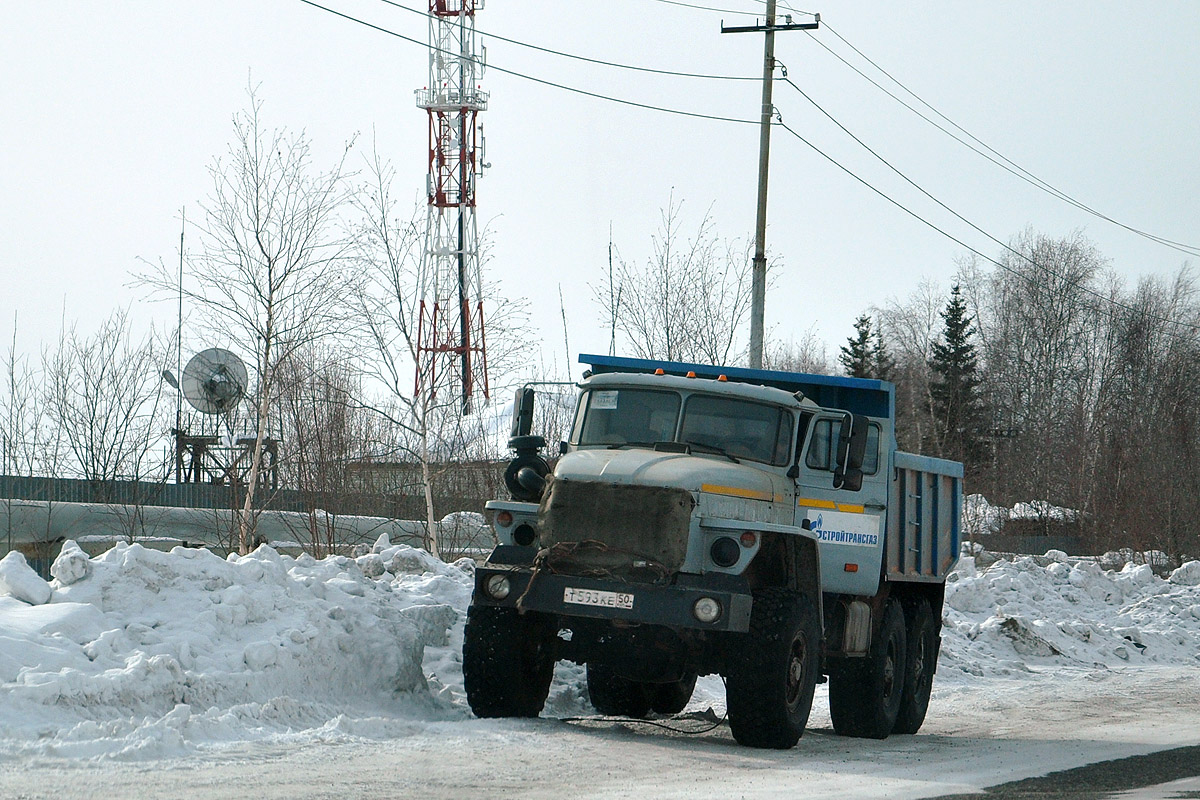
{"x": 883, "y": 365}
{"x": 857, "y": 354}
{"x": 864, "y": 355}
{"x": 954, "y": 390}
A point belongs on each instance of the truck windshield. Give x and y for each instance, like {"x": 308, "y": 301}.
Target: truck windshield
{"x": 628, "y": 416}
{"x": 714, "y": 424}
{"x": 739, "y": 428}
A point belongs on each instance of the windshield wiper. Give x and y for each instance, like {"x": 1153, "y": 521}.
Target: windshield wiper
{"x": 708, "y": 448}
{"x": 619, "y": 445}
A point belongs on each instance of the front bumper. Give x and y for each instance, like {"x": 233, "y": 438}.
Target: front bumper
{"x": 667, "y": 605}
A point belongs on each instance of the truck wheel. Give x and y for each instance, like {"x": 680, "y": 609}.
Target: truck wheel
{"x": 671, "y": 698}
{"x": 865, "y": 693}
{"x": 920, "y": 662}
{"x": 508, "y": 661}
{"x": 616, "y": 696}
{"x": 774, "y": 673}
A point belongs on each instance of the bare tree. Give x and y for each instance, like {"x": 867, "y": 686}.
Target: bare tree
{"x": 687, "y": 301}
{"x": 269, "y": 275}
{"x": 22, "y": 413}
{"x": 105, "y": 395}
{"x": 329, "y": 437}
{"x": 1038, "y": 322}
{"x": 389, "y": 261}
{"x": 910, "y": 327}
{"x": 808, "y": 354}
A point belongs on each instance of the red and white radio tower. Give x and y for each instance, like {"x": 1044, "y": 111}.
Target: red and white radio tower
{"x": 451, "y": 348}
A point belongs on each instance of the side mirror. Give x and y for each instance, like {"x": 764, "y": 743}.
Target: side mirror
{"x": 852, "y": 448}
{"x": 522, "y": 421}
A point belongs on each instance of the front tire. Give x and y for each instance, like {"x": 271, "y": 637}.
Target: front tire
{"x": 771, "y": 681}
{"x": 865, "y": 693}
{"x": 508, "y": 661}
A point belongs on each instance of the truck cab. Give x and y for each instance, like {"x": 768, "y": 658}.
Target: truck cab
{"x": 715, "y": 520}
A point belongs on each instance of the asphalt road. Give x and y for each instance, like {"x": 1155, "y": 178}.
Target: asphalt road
{"x": 1104, "y": 780}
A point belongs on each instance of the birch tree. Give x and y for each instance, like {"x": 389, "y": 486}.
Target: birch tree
{"x": 688, "y": 301}
{"x": 269, "y": 274}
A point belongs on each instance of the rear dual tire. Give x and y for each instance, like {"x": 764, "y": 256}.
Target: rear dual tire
{"x": 865, "y": 693}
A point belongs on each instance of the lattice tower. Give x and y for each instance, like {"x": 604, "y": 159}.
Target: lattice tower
{"x": 451, "y": 346}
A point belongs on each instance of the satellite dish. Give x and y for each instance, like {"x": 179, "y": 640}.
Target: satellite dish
{"x": 214, "y": 381}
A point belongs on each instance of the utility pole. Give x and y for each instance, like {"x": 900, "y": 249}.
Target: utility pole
{"x": 758, "y": 286}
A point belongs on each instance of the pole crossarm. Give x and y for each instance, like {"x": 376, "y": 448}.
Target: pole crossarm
{"x": 791, "y": 26}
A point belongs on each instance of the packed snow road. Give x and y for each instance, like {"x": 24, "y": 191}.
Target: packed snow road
{"x": 992, "y": 732}
{"x": 147, "y": 674}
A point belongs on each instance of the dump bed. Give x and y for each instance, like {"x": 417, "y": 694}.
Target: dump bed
{"x": 924, "y": 521}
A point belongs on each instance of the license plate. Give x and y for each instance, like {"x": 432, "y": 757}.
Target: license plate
{"x": 595, "y": 597}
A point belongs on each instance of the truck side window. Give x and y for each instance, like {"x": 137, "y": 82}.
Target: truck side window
{"x": 822, "y": 447}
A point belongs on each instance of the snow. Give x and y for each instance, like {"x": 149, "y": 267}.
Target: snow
{"x": 139, "y": 655}
{"x": 981, "y": 517}
{"x": 18, "y": 580}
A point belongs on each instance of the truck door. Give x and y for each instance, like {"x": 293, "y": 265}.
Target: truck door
{"x": 849, "y": 524}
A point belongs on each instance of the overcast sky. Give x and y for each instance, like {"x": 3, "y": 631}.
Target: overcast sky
{"x": 111, "y": 112}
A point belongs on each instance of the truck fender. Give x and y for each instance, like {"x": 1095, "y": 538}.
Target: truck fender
{"x": 789, "y": 561}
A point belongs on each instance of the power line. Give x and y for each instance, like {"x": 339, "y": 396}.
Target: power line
{"x": 820, "y": 152}
{"x": 996, "y": 157}
{"x": 731, "y": 10}
{"x": 960, "y": 242}
{"x": 705, "y": 8}
{"x": 542, "y": 81}
{"x": 601, "y": 62}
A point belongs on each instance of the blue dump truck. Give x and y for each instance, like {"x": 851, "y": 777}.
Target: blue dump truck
{"x": 700, "y": 520}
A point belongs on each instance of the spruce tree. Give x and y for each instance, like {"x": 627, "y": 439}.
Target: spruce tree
{"x": 884, "y": 366}
{"x": 954, "y": 389}
{"x": 864, "y": 355}
{"x": 857, "y": 356}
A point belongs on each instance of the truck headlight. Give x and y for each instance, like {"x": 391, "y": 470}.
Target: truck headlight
{"x": 725, "y": 551}
{"x": 525, "y": 534}
{"x": 706, "y": 609}
{"x": 498, "y": 586}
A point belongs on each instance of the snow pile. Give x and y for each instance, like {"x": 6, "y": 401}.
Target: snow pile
{"x": 144, "y": 653}
{"x": 981, "y": 517}
{"x": 1056, "y": 611}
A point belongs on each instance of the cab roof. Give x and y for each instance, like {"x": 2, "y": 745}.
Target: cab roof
{"x": 857, "y": 395}
{"x": 762, "y": 394}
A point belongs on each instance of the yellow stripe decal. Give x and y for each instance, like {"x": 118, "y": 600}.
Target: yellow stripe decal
{"x": 733, "y": 491}
{"x": 849, "y": 508}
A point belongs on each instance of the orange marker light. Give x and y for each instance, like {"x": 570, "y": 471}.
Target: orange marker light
{"x": 851, "y": 568}
{"x": 722, "y": 378}
{"x": 691, "y": 374}
{"x": 660, "y": 371}
{"x": 749, "y": 539}
{"x": 504, "y": 518}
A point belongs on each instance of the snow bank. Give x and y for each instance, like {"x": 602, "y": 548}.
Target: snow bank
{"x": 981, "y": 517}
{"x": 144, "y": 654}
{"x": 1056, "y": 611}
{"x": 18, "y": 580}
